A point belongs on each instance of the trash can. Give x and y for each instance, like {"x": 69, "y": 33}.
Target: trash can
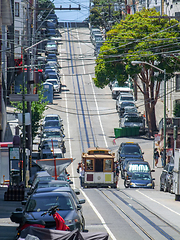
{"x": 15, "y": 177}
{"x": 117, "y": 132}
{"x": 135, "y": 131}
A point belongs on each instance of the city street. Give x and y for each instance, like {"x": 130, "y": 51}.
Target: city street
{"x": 89, "y": 117}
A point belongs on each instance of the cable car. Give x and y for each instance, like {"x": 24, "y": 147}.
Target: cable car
{"x": 99, "y": 168}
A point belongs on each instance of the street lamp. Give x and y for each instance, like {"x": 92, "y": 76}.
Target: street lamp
{"x": 164, "y": 125}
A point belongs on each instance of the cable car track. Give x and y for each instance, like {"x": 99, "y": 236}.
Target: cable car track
{"x": 129, "y": 202}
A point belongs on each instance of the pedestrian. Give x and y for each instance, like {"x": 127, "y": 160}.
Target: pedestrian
{"x": 156, "y": 156}
{"x": 80, "y": 170}
{"x": 162, "y": 156}
{"x": 116, "y": 172}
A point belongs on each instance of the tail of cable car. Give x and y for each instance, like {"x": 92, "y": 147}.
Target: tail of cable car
{"x": 99, "y": 168}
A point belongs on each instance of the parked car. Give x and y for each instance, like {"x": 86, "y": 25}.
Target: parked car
{"x": 50, "y": 24}
{"x": 130, "y": 110}
{"x": 94, "y": 31}
{"x": 51, "y": 124}
{"x": 56, "y": 86}
{"x": 53, "y": 133}
{"x": 116, "y": 91}
{"x": 142, "y": 180}
{"x": 51, "y": 48}
{"x": 165, "y": 175}
{"x": 52, "y": 144}
{"x": 51, "y": 32}
{"x": 38, "y": 203}
{"x": 51, "y": 117}
{"x": 120, "y": 107}
{"x": 97, "y": 37}
{"x": 47, "y": 153}
{"x": 129, "y": 150}
{"x": 124, "y": 98}
{"x": 40, "y": 176}
{"x": 133, "y": 120}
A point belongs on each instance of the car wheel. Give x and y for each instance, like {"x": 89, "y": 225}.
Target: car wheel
{"x": 165, "y": 187}
{"x": 125, "y": 184}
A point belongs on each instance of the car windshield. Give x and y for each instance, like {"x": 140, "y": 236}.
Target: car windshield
{"x": 52, "y": 134}
{"x": 141, "y": 176}
{"x": 54, "y": 82}
{"x": 38, "y": 204}
{"x": 52, "y": 124}
{"x": 126, "y": 98}
{"x": 64, "y": 184}
{"x": 133, "y": 119}
{"x": 138, "y": 167}
{"x": 124, "y": 104}
{"x": 50, "y": 145}
{"x": 51, "y": 118}
{"x": 131, "y": 150}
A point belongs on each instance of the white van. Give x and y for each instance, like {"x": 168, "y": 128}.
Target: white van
{"x": 121, "y": 90}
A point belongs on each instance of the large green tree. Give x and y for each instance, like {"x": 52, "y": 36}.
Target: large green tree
{"x": 146, "y": 37}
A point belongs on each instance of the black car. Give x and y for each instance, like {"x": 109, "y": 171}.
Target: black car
{"x": 164, "y": 178}
{"x": 129, "y": 150}
{"x": 125, "y": 162}
{"x": 38, "y": 203}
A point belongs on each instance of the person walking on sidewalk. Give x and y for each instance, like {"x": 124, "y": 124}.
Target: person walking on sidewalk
{"x": 162, "y": 156}
{"x": 156, "y": 156}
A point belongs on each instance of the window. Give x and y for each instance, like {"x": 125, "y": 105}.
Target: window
{"x": 177, "y": 82}
{"x": 16, "y": 37}
{"x": 16, "y": 9}
{"x": 107, "y": 165}
{"x": 89, "y": 165}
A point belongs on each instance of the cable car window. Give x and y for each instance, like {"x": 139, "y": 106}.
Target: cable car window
{"x": 89, "y": 165}
{"x": 107, "y": 165}
{"x": 98, "y": 165}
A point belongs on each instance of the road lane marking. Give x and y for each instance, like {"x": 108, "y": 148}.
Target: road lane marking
{"x": 158, "y": 203}
{"x": 99, "y": 216}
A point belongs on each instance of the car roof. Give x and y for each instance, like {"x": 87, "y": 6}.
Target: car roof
{"x": 55, "y": 189}
{"x": 139, "y": 162}
{"x": 133, "y": 159}
{"x": 48, "y": 194}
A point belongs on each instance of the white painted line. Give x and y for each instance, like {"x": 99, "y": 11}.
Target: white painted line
{"x": 98, "y": 111}
{"x": 93, "y": 91}
{"x": 158, "y": 203}
{"x": 99, "y": 216}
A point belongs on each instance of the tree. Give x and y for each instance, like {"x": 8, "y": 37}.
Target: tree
{"x": 42, "y": 4}
{"x": 140, "y": 37}
{"x": 102, "y": 12}
{"x": 37, "y": 110}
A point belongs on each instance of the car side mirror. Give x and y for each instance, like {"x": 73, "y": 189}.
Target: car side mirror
{"x": 19, "y": 209}
{"x": 153, "y": 179}
{"x": 81, "y": 201}
{"x": 79, "y": 207}
{"x": 70, "y": 182}
{"x": 152, "y": 170}
{"x": 77, "y": 192}
{"x": 23, "y": 202}
{"x": 30, "y": 182}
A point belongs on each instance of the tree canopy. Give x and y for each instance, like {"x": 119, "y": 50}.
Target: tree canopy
{"x": 42, "y": 4}
{"x": 147, "y": 37}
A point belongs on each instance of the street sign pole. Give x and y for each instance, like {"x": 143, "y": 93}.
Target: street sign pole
{"x": 24, "y": 129}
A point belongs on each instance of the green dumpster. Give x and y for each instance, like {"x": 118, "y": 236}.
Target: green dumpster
{"x": 128, "y": 131}
{"x": 123, "y": 132}
{"x": 135, "y": 131}
{"x": 117, "y": 132}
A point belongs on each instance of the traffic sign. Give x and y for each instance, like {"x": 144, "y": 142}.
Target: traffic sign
{"x": 14, "y": 153}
